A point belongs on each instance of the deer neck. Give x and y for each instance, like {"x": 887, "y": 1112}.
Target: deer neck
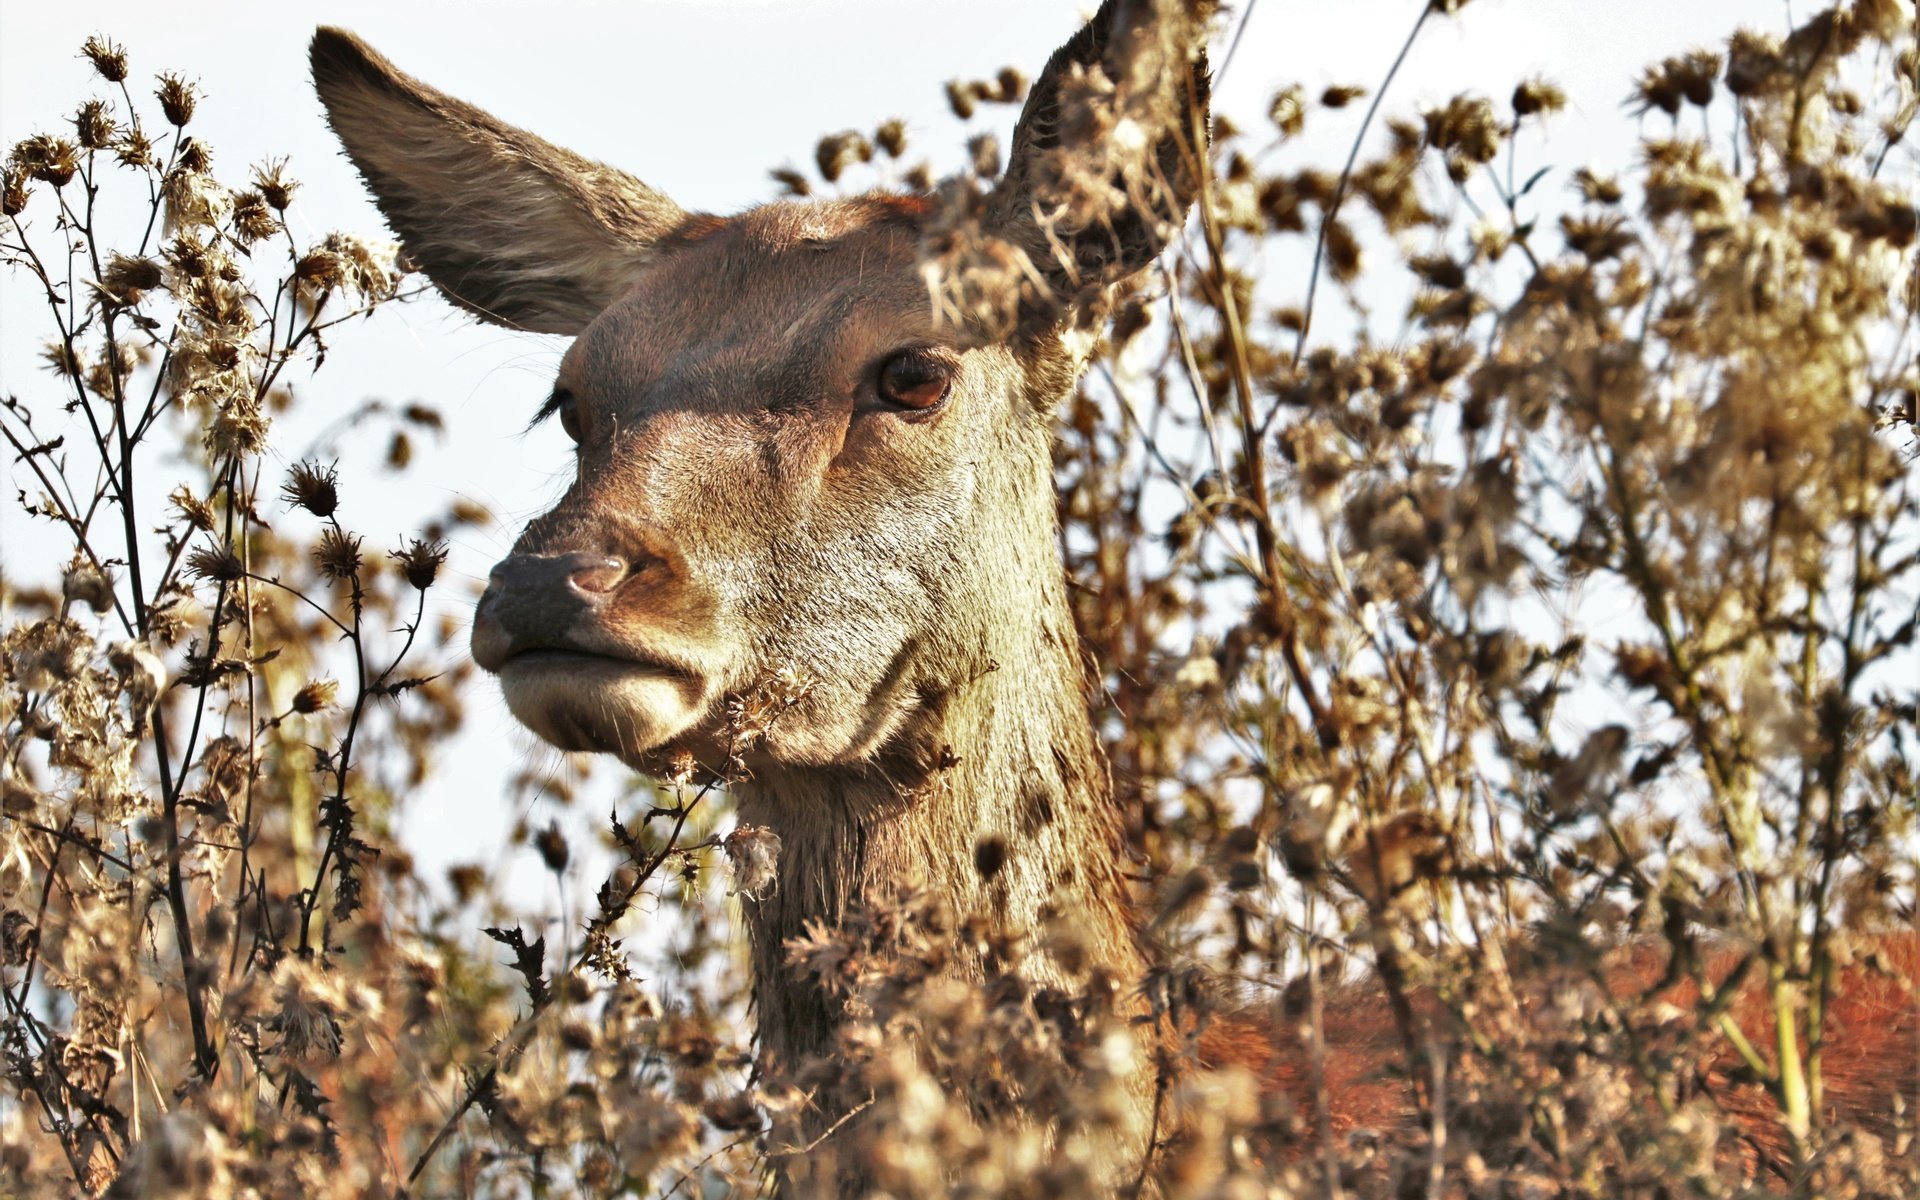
{"x": 996, "y": 801}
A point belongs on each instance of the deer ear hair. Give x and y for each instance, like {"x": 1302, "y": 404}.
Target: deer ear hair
{"x": 510, "y": 227}
{"x": 1107, "y": 154}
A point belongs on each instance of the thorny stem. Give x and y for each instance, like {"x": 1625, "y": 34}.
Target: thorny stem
{"x": 1340, "y": 189}
{"x": 1280, "y": 607}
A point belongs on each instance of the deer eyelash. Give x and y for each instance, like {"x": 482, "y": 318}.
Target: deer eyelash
{"x": 549, "y": 407}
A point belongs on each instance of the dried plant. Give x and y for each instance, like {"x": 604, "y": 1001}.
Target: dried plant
{"x": 1510, "y": 704}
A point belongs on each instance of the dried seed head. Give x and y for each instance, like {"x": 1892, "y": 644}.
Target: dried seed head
{"x": 93, "y": 125}
{"x": 838, "y": 151}
{"x": 134, "y": 149}
{"x": 791, "y": 181}
{"x": 273, "y": 185}
{"x": 421, "y": 561}
{"x": 1288, "y": 112}
{"x": 892, "y": 137}
{"x": 1657, "y": 89}
{"x": 217, "y": 562}
{"x": 89, "y": 585}
{"x": 1693, "y": 73}
{"x": 46, "y": 158}
{"x": 753, "y": 851}
{"x": 985, "y": 151}
{"x": 312, "y": 487}
{"x": 552, "y": 845}
{"x": 128, "y": 277}
{"x": 962, "y": 98}
{"x": 1341, "y": 95}
{"x": 195, "y": 156}
{"x": 1596, "y": 188}
{"x": 338, "y": 554}
{"x": 64, "y": 360}
{"x": 1538, "y": 95}
{"x": 108, "y": 58}
{"x": 13, "y": 190}
{"x": 253, "y": 221}
{"x": 177, "y": 98}
{"x": 142, "y": 674}
{"x": 316, "y": 696}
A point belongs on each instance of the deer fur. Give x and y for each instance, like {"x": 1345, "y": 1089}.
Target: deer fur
{"x": 773, "y": 515}
{"x": 747, "y": 506}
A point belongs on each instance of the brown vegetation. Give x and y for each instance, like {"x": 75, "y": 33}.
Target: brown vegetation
{"x": 1374, "y": 863}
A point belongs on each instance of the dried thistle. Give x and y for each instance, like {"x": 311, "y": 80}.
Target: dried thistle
{"x": 109, "y": 58}
{"x": 317, "y": 696}
{"x": 1538, "y": 96}
{"x": 312, "y": 487}
{"x": 270, "y": 180}
{"x": 337, "y": 555}
{"x": 48, "y": 159}
{"x": 93, "y": 125}
{"x": 216, "y": 561}
{"x": 420, "y": 561}
{"x": 177, "y": 98}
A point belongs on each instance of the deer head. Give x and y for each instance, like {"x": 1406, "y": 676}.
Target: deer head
{"x": 810, "y": 437}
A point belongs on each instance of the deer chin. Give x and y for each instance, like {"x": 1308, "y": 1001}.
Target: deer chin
{"x": 601, "y": 705}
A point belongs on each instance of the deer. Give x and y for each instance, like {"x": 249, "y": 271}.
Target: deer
{"x": 816, "y": 435}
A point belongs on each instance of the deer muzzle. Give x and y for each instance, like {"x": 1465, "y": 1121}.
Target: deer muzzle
{"x": 546, "y": 602}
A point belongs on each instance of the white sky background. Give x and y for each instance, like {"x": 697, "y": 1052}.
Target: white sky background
{"x": 699, "y": 100}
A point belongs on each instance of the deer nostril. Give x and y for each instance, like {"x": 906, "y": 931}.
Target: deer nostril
{"x": 596, "y": 574}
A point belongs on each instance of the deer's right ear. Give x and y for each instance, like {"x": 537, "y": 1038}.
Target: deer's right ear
{"x": 1107, "y": 156}
{"x": 515, "y": 229}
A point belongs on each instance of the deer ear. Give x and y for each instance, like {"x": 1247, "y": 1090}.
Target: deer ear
{"x": 519, "y": 231}
{"x": 1106, "y": 157}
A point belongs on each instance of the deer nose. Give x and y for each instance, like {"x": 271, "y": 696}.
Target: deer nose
{"x": 586, "y": 574}
{"x": 543, "y": 602}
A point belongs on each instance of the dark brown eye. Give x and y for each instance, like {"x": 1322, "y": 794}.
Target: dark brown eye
{"x": 916, "y": 379}
{"x": 568, "y": 411}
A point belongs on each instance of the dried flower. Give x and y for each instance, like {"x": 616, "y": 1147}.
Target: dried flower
{"x": 46, "y": 158}
{"x": 177, "y": 98}
{"x": 312, "y": 487}
{"x": 13, "y": 190}
{"x": 421, "y": 560}
{"x": 891, "y": 137}
{"x": 338, "y": 554}
{"x": 1538, "y": 95}
{"x": 128, "y": 277}
{"x": 93, "y": 124}
{"x": 270, "y": 180}
{"x": 836, "y": 152}
{"x": 962, "y": 99}
{"x": 552, "y": 845}
{"x": 253, "y": 221}
{"x": 984, "y": 151}
{"x": 88, "y": 584}
{"x": 753, "y": 851}
{"x": 792, "y": 182}
{"x": 317, "y": 696}
{"x": 216, "y": 561}
{"x": 1288, "y": 110}
{"x": 108, "y": 58}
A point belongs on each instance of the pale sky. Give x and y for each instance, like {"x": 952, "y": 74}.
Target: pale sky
{"x": 700, "y": 100}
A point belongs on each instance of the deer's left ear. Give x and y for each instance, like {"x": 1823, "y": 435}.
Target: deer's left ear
{"x": 1107, "y": 156}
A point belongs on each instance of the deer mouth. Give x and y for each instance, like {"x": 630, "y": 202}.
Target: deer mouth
{"x": 599, "y": 703}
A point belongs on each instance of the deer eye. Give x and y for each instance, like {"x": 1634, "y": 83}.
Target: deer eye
{"x": 916, "y": 379}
